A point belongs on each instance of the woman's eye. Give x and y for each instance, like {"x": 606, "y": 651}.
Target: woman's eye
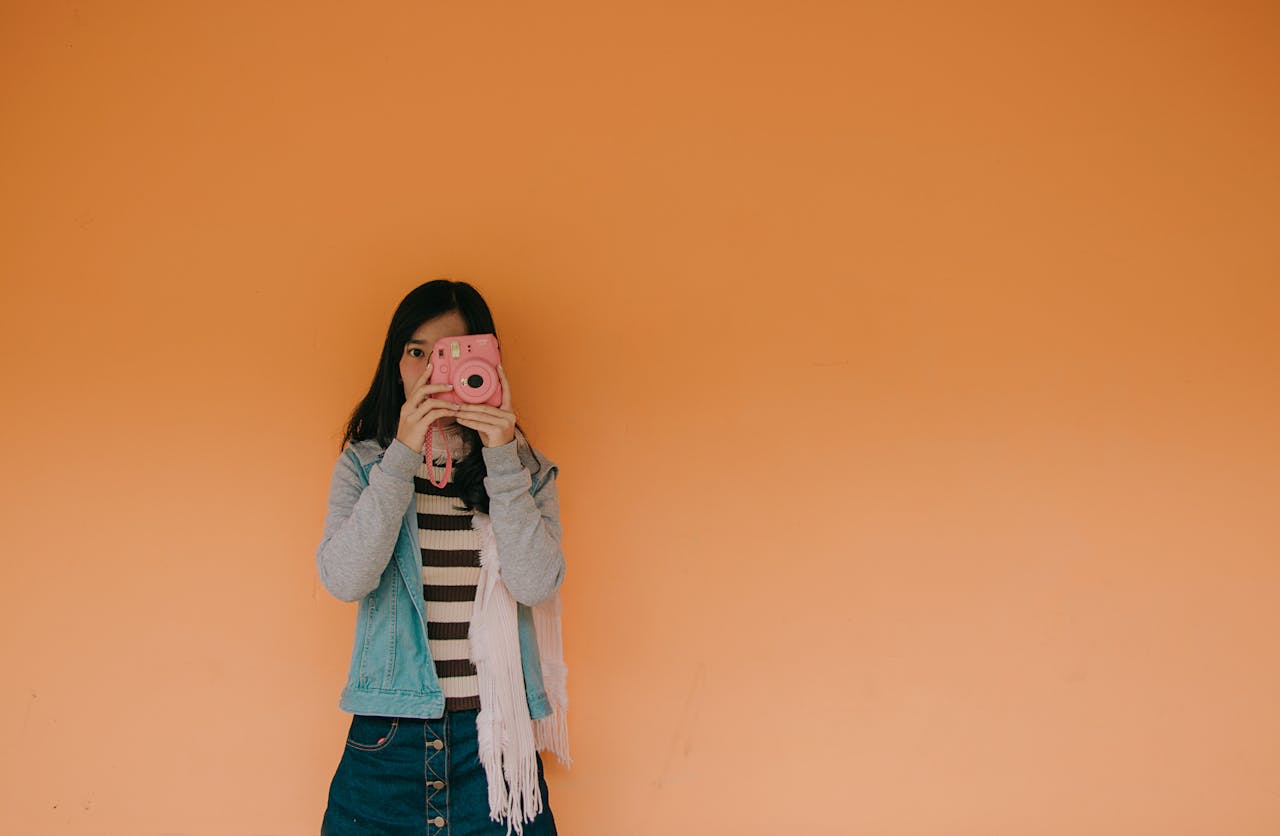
{"x": 411, "y": 354}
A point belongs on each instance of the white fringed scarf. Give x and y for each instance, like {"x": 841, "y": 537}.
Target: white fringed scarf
{"x": 507, "y": 735}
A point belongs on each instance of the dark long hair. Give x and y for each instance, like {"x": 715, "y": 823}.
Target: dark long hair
{"x": 377, "y": 416}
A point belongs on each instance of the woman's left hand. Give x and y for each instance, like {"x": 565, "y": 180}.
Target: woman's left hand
{"x": 496, "y": 425}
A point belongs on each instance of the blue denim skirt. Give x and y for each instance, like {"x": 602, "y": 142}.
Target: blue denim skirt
{"x": 406, "y": 775}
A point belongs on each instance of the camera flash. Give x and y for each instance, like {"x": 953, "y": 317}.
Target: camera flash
{"x": 454, "y": 350}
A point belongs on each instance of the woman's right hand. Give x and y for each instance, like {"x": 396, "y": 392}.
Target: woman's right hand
{"x": 420, "y": 410}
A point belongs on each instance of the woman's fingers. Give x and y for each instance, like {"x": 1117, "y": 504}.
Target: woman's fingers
{"x": 483, "y": 409}
{"x": 506, "y": 387}
{"x": 487, "y": 415}
{"x": 484, "y": 429}
{"x": 422, "y": 380}
{"x": 430, "y": 416}
{"x": 420, "y": 396}
{"x": 435, "y": 414}
{"x": 414, "y": 391}
{"x": 468, "y": 420}
{"x": 428, "y": 404}
{"x": 421, "y": 383}
{"x": 435, "y": 389}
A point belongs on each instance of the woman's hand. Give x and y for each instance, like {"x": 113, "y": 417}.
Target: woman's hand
{"x": 497, "y": 426}
{"x": 420, "y": 410}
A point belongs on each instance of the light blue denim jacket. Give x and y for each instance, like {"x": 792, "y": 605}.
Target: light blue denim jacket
{"x": 370, "y": 552}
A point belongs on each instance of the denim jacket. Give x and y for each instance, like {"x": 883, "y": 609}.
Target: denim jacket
{"x": 370, "y": 552}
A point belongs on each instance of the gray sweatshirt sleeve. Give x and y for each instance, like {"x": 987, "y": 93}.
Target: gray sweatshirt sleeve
{"x": 526, "y": 526}
{"x": 363, "y": 522}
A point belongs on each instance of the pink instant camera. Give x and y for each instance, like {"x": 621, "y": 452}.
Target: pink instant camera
{"x": 470, "y": 363}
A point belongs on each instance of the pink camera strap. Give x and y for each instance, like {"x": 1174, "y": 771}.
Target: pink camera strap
{"x": 448, "y": 458}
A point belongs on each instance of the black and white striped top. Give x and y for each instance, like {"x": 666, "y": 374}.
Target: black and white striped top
{"x": 450, "y": 572}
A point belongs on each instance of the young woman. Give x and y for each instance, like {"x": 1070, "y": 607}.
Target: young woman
{"x": 457, "y": 677}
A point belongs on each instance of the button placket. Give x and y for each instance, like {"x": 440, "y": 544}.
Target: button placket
{"x": 437, "y": 760}
{"x": 446, "y": 770}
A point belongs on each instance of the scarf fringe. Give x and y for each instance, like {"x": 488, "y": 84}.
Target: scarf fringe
{"x": 552, "y": 732}
{"x": 508, "y": 738}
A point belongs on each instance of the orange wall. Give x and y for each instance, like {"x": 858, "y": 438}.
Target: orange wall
{"x": 913, "y": 374}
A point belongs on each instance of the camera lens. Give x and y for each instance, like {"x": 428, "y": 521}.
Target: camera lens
{"x": 475, "y": 381}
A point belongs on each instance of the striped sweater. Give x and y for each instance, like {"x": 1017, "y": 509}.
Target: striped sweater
{"x": 450, "y": 571}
